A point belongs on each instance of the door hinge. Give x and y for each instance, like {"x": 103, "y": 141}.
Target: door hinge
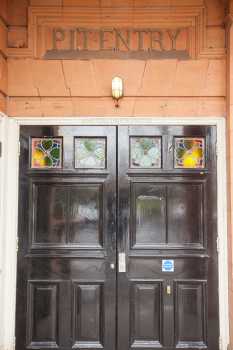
{"x": 218, "y": 244}
{"x": 0, "y": 149}
{"x": 216, "y": 149}
{"x": 220, "y": 343}
{"x": 19, "y": 146}
{"x": 17, "y": 244}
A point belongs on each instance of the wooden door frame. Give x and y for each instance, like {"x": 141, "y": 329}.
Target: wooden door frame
{"x": 9, "y": 136}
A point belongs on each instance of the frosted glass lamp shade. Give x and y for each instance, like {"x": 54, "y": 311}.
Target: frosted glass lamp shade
{"x": 117, "y": 89}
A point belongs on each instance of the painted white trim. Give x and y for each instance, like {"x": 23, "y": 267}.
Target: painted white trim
{"x": 10, "y": 210}
{"x": 120, "y": 121}
{"x": 9, "y": 231}
{"x": 2, "y": 163}
{"x": 222, "y": 234}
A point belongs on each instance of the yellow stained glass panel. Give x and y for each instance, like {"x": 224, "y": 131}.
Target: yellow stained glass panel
{"x": 189, "y": 153}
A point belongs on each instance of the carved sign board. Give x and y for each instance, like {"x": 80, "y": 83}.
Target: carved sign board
{"x": 165, "y": 31}
{"x": 117, "y": 43}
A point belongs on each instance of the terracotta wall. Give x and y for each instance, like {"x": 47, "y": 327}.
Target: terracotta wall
{"x": 152, "y": 88}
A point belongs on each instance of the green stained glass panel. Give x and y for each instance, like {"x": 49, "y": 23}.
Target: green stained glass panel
{"x": 145, "y": 152}
{"x": 46, "y": 152}
{"x": 189, "y": 152}
{"x": 90, "y": 153}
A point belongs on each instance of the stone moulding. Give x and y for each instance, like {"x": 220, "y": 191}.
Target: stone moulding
{"x": 44, "y": 19}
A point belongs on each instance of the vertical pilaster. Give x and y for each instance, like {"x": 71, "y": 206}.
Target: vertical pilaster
{"x": 3, "y": 61}
{"x": 3, "y": 99}
{"x": 229, "y": 101}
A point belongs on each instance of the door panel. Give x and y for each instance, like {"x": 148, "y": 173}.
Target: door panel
{"x": 66, "y": 290}
{"x": 87, "y": 312}
{"x": 167, "y": 217}
{"x": 117, "y": 238}
{"x": 190, "y": 309}
{"x": 169, "y": 214}
{"x": 146, "y": 313}
{"x": 42, "y": 315}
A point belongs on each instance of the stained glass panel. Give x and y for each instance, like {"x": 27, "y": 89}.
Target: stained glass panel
{"x": 145, "y": 152}
{"x": 90, "y": 153}
{"x": 189, "y": 152}
{"x": 46, "y": 153}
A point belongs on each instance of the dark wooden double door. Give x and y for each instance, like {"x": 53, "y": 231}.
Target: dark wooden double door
{"x": 117, "y": 244}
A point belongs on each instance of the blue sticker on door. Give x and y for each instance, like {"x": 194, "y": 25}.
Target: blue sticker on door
{"x": 168, "y": 266}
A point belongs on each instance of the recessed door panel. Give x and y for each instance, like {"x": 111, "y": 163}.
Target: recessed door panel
{"x": 87, "y": 315}
{"x": 42, "y": 316}
{"x": 169, "y": 214}
{"x": 64, "y": 214}
{"x": 190, "y": 311}
{"x": 146, "y": 314}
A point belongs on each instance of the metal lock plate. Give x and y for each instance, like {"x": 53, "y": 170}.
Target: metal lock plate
{"x": 121, "y": 262}
{"x": 169, "y": 291}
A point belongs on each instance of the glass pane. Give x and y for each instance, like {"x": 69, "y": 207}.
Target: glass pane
{"x": 185, "y": 208}
{"x": 90, "y": 153}
{"x": 189, "y": 152}
{"x": 145, "y": 152}
{"x": 50, "y": 214}
{"x": 85, "y": 215}
{"x": 150, "y": 225}
{"x": 46, "y": 153}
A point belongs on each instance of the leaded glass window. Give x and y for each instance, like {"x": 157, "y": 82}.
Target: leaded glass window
{"x": 46, "y": 152}
{"x": 189, "y": 152}
{"x": 145, "y": 152}
{"x": 90, "y": 152}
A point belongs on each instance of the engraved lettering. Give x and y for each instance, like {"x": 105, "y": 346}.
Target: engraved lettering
{"x": 120, "y": 39}
{"x": 73, "y": 39}
{"x": 58, "y": 35}
{"x": 173, "y": 36}
{"x": 118, "y": 43}
{"x": 156, "y": 38}
{"x": 141, "y": 33}
{"x": 103, "y": 39}
{"x": 85, "y": 37}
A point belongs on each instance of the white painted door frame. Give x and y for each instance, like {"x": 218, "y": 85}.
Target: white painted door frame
{"x": 9, "y": 134}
